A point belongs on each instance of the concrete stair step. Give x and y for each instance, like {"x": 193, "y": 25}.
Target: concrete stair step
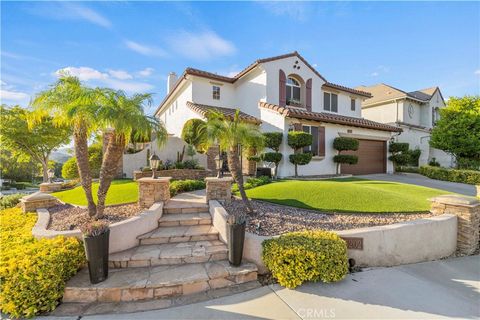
{"x": 185, "y": 219}
{"x": 179, "y": 234}
{"x": 137, "y": 284}
{"x": 169, "y": 254}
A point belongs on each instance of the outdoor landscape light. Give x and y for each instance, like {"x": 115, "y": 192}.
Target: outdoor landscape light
{"x": 154, "y": 162}
{"x": 50, "y": 174}
{"x": 219, "y": 162}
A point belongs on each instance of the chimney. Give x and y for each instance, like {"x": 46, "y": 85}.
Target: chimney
{"x": 172, "y": 79}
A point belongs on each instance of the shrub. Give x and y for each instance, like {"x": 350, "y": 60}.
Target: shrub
{"x": 194, "y": 132}
{"x": 468, "y": 163}
{"x": 453, "y": 175}
{"x": 33, "y": 272}
{"x": 408, "y": 169}
{"x": 434, "y": 162}
{"x": 10, "y": 201}
{"x": 70, "y": 169}
{"x": 178, "y": 186}
{"x": 343, "y": 144}
{"x": 395, "y": 147}
{"x": 299, "y": 139}
{"x": 345, "y": 158}
{"x": 296, "y": 257}
{"x": 191, "y": 164}
{"x": 69, "y": 184}
{"x": 252, "y": 183}
{"x": 400, "y": 159}
{"x": 254, "y": 158}
{"x": 273, "y": 140}
{"x": 413, "y": 157}
{"x": 300, "y": 158}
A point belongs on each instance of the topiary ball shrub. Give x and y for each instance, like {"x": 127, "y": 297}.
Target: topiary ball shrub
{"x": 273, "y": 140}
{"x": 299, "y": 139}
{"x": 400, "y": 159}
{"x": 395, "y": 147}
{"x": 344, "y": 143}
{"x": 274, "y": 157}
{"x": 300, "y": 158}
{"x": 345, "y": 158}
{"x": 296, "y": 257}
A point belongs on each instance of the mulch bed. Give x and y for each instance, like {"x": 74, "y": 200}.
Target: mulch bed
{"x": 68, "y": 217}
{"x": 271, "y": 219}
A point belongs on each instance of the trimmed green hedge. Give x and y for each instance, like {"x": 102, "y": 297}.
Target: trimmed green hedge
{"x": 274, "y": 157}
{"x": 453, "y": 175}
{"x": 398, "y": 147}
{"x": 178, "y": 186}
{"x": 345, "y": 158}
{"x": 296, "y": 257}
{"x": 252, "y": 183}
{"x": 300, "y": 158}
{"x": 33, "y": 272}
{"x": 344, "y": 143}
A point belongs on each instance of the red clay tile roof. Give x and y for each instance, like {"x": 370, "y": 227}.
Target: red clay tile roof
{"x": 328, "y": 117}
{"x": 203, "y": 110}
{"x": 343, "y": 88}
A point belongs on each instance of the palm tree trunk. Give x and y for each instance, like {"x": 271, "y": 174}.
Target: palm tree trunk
{"x": 234, "y": 165}
{"x": 115, "y": 144}
{"x": 80, "y": 139}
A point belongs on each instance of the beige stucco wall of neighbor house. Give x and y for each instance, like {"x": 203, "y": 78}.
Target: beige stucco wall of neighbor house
{"x": 417, "y": 139}
{"x": 135, "y": 161}
{"x": 384, "y": 246}
{"x": 385, "y": 113}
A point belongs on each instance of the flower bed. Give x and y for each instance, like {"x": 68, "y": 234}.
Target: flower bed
{"x": 33, "y": 272}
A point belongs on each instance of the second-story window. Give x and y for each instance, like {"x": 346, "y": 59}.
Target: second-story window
{"x": 216, "y": 92}
{"x": 293, "y": 92}
{"x": 352, "y": 104}
{"x": 330, "y": 102}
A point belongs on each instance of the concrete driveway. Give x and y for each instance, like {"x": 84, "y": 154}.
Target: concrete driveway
{"x": 440, "y": 289}
{"x": 419, "y": 180}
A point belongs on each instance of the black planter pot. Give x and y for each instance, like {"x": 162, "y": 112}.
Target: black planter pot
{"x": 96, "y": 250}
{"x": 236, "y": 238}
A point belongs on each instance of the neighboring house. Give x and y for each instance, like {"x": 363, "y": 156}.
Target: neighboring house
{"x": 414, "y": 112}
{"x": 280, "y": 94}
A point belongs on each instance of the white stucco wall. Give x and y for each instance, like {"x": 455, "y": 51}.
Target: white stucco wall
{"x": 385, "y": 113}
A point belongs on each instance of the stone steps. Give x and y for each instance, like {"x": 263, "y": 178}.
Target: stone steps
{"x": 169, "y": 254}
{"x": 136, "y": 284}
{"x": 177, "y": 234}
{"x": 185, "y": 219}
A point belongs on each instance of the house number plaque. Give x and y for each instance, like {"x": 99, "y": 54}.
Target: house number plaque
{"x": 354, "y": 243}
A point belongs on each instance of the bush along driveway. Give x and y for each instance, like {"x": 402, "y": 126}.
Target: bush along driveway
{"x": 348, "y": 195}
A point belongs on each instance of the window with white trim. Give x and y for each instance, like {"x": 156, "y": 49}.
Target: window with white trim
{"x": 293, "y": 88}
{"x": 330, "y": 102}
{"x": 313, "y": 148}
{"x": 216, "y": 92}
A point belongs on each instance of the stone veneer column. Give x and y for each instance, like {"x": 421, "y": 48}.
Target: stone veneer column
{"x": 153, "y": 190}
{"x": 50, "y": 187}
{"x": 37, "y": 200}
{"x": 467, "y": 210}
{"x": 219, "y": 188}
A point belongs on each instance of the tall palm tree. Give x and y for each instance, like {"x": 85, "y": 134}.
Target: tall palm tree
{"x": 123, "y": 120}
{"x": 71, "y": 103}
{"x": 229, "y": 134}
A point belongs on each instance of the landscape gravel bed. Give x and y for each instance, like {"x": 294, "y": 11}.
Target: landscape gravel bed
{"x": 68, "y": 217}
{"x": 271, "y": 219}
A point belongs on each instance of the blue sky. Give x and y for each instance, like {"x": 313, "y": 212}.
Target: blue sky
{"x": 134, "y": 45}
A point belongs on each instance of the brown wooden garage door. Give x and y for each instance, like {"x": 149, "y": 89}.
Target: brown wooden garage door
{"x": 371, "y": 158}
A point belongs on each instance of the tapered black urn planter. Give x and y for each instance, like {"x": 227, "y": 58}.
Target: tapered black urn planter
{"x": 236, "y": 237}
{"x": 96, "y": 241}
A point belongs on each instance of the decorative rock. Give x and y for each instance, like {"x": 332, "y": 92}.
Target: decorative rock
{"x": 38, "y": 200}
{"x": 50, "y": 187}
{"x": 467, "y": 210}
{"x": 219, "y": 188}
{"x": 153, "y": 190}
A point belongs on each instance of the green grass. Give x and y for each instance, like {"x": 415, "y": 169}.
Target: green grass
{"x": 121, "y": 191}
{"x": 347, "y": 195}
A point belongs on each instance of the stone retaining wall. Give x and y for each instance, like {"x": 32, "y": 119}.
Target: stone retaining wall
{"x": 153, "y": 190}
{"x": 176, "y": 174}
{"x": 123, "y": 234}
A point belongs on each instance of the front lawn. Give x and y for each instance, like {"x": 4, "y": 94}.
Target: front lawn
{"x": 121, "y": 191}
{"x": 347, "y": 195}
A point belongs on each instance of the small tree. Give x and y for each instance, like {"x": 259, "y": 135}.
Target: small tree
{"x": 70, "y": 167}
{"x": 273, "y": 140}
{"x": 345, "y": 144}
{"x": 400, "y": 155}
{"x": 297, "y": 140}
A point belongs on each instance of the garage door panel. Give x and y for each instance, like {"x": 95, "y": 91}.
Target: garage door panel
{"x": 371, "y": 158}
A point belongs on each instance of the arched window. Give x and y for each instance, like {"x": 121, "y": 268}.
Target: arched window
{"x": 293, "y": 91}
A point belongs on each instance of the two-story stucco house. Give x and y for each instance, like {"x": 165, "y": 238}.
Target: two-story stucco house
{"x": 414, "y": 112}
{"x": 280, "y": 94}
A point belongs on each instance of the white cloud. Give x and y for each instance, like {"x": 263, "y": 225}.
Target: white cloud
{"x": 120, "y": 74}
{"x": 201, "y": 46}
{"x": 81, "y": 12}
{"x": 13, "y": 96}
{"x": 375, "y": 74}
{"x": 145, "y": 72}
{"x": 299, "y": 11}
{"x": 129, "y": 86}
{"x": 477, "y": 72}
{"x": 83, "y": 73}
{"x": 145, "y": 50}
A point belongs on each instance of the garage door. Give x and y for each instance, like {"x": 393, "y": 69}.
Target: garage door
{"x": 371, "y": 158}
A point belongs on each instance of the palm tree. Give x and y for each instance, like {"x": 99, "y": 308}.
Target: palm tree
{"x": 229, "y": 134}
{"x": 70, "y": 103}
{"x": 123, "y": 120}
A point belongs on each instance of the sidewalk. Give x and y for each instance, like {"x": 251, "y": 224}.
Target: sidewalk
{"x": 439, "y": 289}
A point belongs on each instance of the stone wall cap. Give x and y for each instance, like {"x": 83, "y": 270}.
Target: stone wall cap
{"x": 226, "y": 179}
{"x": 50, "y": 184}
{"x": 38, "y": 196}
{"x": 158, "y": 179}
{"x": 456, "y": 199}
